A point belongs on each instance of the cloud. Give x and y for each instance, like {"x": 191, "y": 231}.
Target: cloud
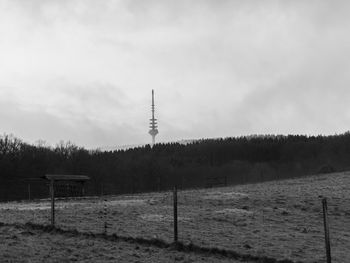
{"x": 34, "y": 124}
{"x": 219, "y": 68}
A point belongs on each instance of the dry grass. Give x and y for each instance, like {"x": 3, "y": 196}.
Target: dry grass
{"x": 29, "y": 244}
{"x": 281, "y": 219}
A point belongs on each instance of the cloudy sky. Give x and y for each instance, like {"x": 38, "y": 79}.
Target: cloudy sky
{"x": 83, "y": 70}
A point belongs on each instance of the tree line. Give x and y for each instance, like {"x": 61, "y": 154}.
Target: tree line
{"x": 238, "y": 160}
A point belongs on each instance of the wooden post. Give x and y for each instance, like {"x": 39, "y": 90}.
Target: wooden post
{"x": 28, "y": 191}
{"x": 68, "y": 190}
{"x": 175, "y": 214}
{"x": 82, "y": 189}
{"x": 52, "y": 192}
{"x": 326, "y": 230}
{"x": 105, "y": 216}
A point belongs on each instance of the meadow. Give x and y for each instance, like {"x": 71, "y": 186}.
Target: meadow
{"x": 277, "y": 219}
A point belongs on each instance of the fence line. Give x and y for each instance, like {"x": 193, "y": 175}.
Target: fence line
{"x": 106, "y": 212}
{"x": 152, "y": 242}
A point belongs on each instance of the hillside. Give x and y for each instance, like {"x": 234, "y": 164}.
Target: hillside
{"x": 202, "y": 163}
{"x": 278, "y": 219}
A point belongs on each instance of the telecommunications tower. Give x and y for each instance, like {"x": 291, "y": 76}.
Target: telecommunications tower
{"x": 153, "y": 123}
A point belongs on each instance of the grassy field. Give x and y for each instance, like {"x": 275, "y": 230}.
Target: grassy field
{"x": 23, "y": 244}
{"x": 279, "y": 219}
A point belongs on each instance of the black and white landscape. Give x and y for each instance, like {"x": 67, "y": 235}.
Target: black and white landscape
{"x": 174, "y": 131}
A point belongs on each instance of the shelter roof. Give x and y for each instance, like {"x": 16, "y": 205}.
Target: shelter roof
{"x": 66, "y": 177}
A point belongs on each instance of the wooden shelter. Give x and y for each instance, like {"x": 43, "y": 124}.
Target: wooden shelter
{"x": 63, "y": 179}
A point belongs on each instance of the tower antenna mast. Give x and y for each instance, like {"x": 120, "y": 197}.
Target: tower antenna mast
{"x": 153, "y": 123}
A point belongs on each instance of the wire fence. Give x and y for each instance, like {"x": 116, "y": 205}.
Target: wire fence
{"x": 280, "y": 220}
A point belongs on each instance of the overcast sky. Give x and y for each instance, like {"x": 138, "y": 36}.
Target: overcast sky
{"x": 84, "y": 70}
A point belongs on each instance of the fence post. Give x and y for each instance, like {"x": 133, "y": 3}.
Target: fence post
{"x": 105, "y": 216}
{"x": 326, "y": 230}
{"x": 52, "y": 192}
{"x": 82, "y": 189}
{"x": 175, "y": 214}
{"x": 29, "y": 192}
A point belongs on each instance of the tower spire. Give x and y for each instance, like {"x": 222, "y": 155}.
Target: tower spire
{"x": 153, "y": 122}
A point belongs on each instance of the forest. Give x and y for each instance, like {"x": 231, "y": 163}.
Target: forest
{"x": 202, "y": 163}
